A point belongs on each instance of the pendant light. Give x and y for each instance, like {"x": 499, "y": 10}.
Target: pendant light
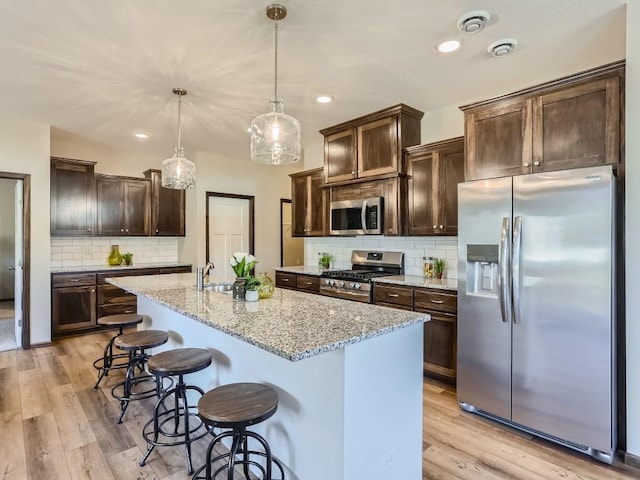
{"x": 178, "y": 172}
{"x": 275, "y": 136}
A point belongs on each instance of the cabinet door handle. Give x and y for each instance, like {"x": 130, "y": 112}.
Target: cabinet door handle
{"x": 93, "y": 291}
{"x": 525, "y": 164}
{"x": 435, "y": 226}
{"x": 441, "y": 226}
{"x": 536, "y": 163}
{"x": 437, "y": 301}
{"x": 88, "y": 229}
{"x": 156, "y": 230}
{"x": 394, "y": 295}
{"x": 74, "y": 280}
{"x": 122, "y": 229}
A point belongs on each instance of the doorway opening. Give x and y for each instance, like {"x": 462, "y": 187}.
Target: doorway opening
{"x": 291, "y": 248}
{"x": 229, "y": 229}
{"x": 15, "y": 214}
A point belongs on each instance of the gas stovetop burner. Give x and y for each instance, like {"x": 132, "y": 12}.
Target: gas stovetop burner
{"x": 355, "y": 284}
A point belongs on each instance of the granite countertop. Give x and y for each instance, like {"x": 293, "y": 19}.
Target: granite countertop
{"x": 108, "y": 268}
{"x": 290, "y": 324}
{"x": 420, "y": 281}
{"x": 305, "y": 269}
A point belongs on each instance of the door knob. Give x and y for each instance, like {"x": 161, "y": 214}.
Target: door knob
{"x": 11, "y": 267}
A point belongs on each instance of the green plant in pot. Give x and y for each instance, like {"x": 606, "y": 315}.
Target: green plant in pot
{"x": 324, "y": 260}
{"x": 252, "y": 285}
{"x": 127, "y": 258}
{"x": 438, "y": 267}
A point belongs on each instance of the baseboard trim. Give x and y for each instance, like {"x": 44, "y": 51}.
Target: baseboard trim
{"x": 41, "y": 344}
{"x": 631, "y": 460}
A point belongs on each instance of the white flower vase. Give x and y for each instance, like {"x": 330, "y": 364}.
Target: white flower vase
{"x": 251, "y": 295}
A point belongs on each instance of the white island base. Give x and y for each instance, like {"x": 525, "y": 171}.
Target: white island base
{"x": 349, "y": 414}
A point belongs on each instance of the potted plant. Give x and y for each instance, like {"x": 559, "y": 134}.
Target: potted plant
{"x": 127, "y": 258}
{"x": 242, "y": 264}
{"x": 324, "y": 261}
{"x": 438, "y": 267}
{"x": 251, "y": 284}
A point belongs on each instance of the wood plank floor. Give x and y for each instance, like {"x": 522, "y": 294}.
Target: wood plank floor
{"x": 55, "y": 426}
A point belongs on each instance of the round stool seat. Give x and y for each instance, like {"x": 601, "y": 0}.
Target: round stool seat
{"x": 124, "y": 320}
{"x": 238, "y": 404}
{"x": 141, "y": 339}
{"x": 179, "y": 361}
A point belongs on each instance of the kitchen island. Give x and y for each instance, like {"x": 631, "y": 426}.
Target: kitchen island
{"x": 348, "y": 374}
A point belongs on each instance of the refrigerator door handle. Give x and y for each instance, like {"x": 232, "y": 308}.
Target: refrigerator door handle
{"x": 517, "y": 241}
{"x": 504, "y": 270}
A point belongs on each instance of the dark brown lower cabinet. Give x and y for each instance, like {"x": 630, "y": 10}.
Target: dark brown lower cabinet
{"x": 440, "y": 334}
{"x": 79, "y": 299}
{"x": 73, "y": 302}
{"x": 298, "y": 281}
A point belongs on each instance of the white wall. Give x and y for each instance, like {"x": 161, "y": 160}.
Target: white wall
{"x": 633, "y": 227}
{"x": 7, "y": 237}
{"x": 24, "y": 148}
{"x": 240, "y": 176}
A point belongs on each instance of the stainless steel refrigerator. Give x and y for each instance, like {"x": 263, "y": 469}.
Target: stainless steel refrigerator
{"x": 536, "y": 322}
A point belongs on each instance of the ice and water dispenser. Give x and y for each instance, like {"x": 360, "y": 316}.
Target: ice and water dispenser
{"x": 482, "y": 270}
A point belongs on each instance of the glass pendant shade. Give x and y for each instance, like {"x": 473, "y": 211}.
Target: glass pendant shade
{"x": 275, "y": 137}
{"x": 178, "y": 172}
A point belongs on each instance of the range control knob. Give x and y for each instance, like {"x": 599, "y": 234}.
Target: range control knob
{"x": 352, "y": 285}
{"x": 356, "y": 285}
{"x": 327, "y": 282}
{"x": 341, "y": 284}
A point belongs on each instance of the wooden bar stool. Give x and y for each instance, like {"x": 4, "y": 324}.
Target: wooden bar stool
{"x": 106, "y": 363}
{"x": 179, "y": 431}
{"x": 235, "y": 407}
{"x": 136, "y": 343}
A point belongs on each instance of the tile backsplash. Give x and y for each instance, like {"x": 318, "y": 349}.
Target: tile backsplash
{"x": 414, "y": 249}
{"x": 93, "y": 251}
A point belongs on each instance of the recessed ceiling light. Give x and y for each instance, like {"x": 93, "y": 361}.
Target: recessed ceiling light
{"x": 448, "y": 46}
{"x": 141, "y": 135}
{"x": 324, "y": 99}
{"x": 502, "y": 48}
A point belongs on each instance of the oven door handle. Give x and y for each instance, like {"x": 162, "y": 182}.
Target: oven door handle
{"x": 363, "y": 216}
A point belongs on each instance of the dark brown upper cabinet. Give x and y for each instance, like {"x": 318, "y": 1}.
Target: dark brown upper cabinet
{"x": 370, "y": 146}
{"x": 72, "y": 197}
{"x": 309, "y": 204}
{"x": 435, "y": 170}
{"x": 167, "y": 207}
{"x": 572, "y": 122}
{"x": 124, "y": 206}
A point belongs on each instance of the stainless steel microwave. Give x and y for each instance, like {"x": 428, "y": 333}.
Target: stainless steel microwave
{"x": 357, "y": 217}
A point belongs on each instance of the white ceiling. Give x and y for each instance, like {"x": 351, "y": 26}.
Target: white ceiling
{"x": 105, "y": 69}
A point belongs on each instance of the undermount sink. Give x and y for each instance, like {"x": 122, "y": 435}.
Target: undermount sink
{"x": 218, "y": 286}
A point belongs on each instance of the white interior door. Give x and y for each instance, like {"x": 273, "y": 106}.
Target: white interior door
{"x": 19, "y": 262}
{"x": 228, "y": 232}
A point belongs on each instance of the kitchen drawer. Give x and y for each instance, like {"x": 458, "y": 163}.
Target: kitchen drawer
{"x": 286, "y": 280}
{"x": 396, "y": 296}
{"x": 395, "y": 305}
{"x": 108, "y": 294}
{"x": 59, "y": 280}
{"x": 309, "y": 283}
{"x": 117, "y": 309}
{"x": 435, "y": 300}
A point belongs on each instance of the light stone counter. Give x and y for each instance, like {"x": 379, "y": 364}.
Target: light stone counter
{"x": 419, "y": 281}
{"x": 108, "y": 268}
{"x": 304, "y": 269}
{"x": 290, "y": 324}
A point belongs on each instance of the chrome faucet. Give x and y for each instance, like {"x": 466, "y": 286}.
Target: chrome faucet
{"x": 202, "y": 272}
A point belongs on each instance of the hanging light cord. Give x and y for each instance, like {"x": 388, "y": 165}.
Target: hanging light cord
{"x": 179, "y": 132}
{"x": 276, "y": 62}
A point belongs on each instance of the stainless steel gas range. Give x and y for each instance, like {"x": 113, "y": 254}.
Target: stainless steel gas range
{"x": 355, "y": 284}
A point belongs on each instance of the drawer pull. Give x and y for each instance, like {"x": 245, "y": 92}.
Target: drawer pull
{"x": 308, "y": 283}
{"x": 129, "y": 311}
{"x": 285, "y": 279}
{"x": 437, "y": 301}
{"x": 394, "y": 295}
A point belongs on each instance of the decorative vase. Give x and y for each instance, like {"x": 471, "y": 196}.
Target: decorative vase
{"x": 251, "y": 295}
{"x": 114, "y": 257}
{"x": 265, "y": 290}
{"x": 239, "y": 288}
